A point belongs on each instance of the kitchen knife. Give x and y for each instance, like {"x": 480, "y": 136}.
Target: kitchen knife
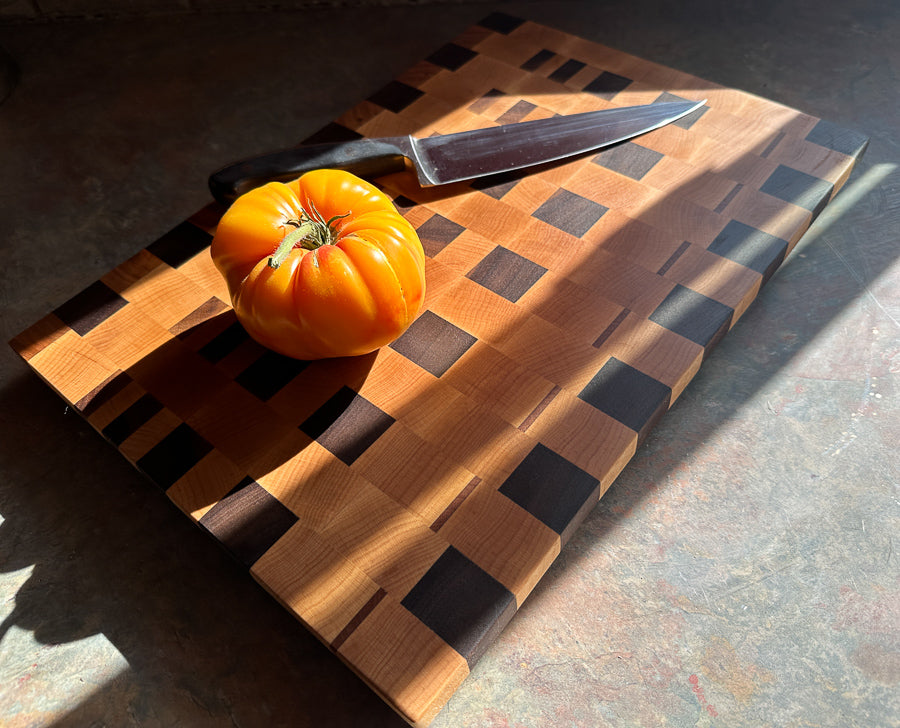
{"x": 465, "y": 155}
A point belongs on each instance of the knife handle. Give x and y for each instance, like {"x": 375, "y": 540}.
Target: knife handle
{"x": 362, "y": 157}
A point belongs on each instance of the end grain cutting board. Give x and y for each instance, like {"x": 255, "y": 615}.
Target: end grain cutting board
{"x": 404, "y": 504}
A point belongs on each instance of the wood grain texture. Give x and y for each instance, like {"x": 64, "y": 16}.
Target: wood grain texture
{"x": 404, "y": 504}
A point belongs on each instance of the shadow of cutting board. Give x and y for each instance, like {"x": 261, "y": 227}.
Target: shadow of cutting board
{"x": 404, "y": 504}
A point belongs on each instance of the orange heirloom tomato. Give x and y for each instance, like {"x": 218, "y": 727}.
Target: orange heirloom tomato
{"x": 320, "y": 267}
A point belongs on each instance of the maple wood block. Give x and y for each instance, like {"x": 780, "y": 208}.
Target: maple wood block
{"x": 414, "y": 472}
{"x": 205, "y": 484}
{"x": 314, "y": 581}
{"x": 77, "y": 373}
{"x": 419, "y": 673}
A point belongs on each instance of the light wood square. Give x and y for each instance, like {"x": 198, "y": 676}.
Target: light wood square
{"x": 387, "y": 542}
{"x": 324, "y": 589}
{"x": 503, "y": 539}
{"x": 417, "y": 674}
{"x": 72, "y": 366}
{"x": 414, "y": 472}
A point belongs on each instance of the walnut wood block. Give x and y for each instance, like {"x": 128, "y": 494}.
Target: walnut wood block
{"x": 404, "y": 504}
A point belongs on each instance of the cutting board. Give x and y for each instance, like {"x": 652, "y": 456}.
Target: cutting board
{"x": 403, "y": 504}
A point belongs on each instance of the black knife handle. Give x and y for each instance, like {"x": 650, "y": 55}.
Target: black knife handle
{"x": 362, "y": 157}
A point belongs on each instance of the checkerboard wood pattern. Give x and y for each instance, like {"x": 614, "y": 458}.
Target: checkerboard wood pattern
{"x": 404, "y": 504}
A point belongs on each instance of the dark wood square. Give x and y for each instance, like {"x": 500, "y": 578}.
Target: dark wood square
{"x": 451, "y": 56}
{"x": 838, "y": 139}
{"x": 750, "y": 247}
{"x": 629, "y": 159}
{"x": 180, "y": 244}
{"x": 607, "y": 85}
{"x": 506, "y": 273}
{"x": 173, "y": 456}
{"x": 480, "y": 105}
{"x": 550, "y": 488}
{"x": 90, "y": 308}
{"x": 433, "y": 343}
{"x": 566, "y": 71}
{"x": 248, "y": 521}
{"x": 693, "y": 316}
{"x": 517, "y": 112}
{"x": 404, "y": 204}
{"x": 132, "y": 419}
{"x": 537, "y": 60}
{"x": 461, "y": 603}
{"x": 570, "y": 213}
{"x": 224, "y": 343}
{"x": 269, "y": 374}
{"x": 437, "y": 232}
{"x": 628, "y": 395}
{"x": 791, "y": 185}
{"x": 347, "y": 425}
{"x": 395, "y": 96}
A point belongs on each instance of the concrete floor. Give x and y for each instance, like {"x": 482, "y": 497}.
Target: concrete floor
{"x": 741, "y": 571}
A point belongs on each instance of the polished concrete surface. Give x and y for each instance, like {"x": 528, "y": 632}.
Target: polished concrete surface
{"x": 741, "y": 571}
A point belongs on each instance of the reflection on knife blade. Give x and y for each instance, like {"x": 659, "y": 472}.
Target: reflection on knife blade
{"x": 465, "y": 155}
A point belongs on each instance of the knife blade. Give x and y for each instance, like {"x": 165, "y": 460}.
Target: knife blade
{"x": 446, "y": 158}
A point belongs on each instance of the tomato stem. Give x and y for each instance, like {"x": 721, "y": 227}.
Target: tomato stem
{"x": 310, "y": 232}
{"x": 287, "y": 244}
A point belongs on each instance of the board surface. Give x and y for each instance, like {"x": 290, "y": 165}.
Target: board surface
{"x": 404, "y": 504}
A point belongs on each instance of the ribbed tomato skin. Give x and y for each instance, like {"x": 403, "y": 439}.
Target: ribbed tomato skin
{"x": 349, "y": 297}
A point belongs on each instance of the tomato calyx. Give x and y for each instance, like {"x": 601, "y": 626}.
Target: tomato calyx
{"x": 310, "y": 231}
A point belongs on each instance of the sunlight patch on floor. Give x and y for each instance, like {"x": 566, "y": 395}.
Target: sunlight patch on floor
{"x": 47, "y": 679}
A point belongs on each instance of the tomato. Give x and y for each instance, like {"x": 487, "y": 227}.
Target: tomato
{"x": 323, "y": 266}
